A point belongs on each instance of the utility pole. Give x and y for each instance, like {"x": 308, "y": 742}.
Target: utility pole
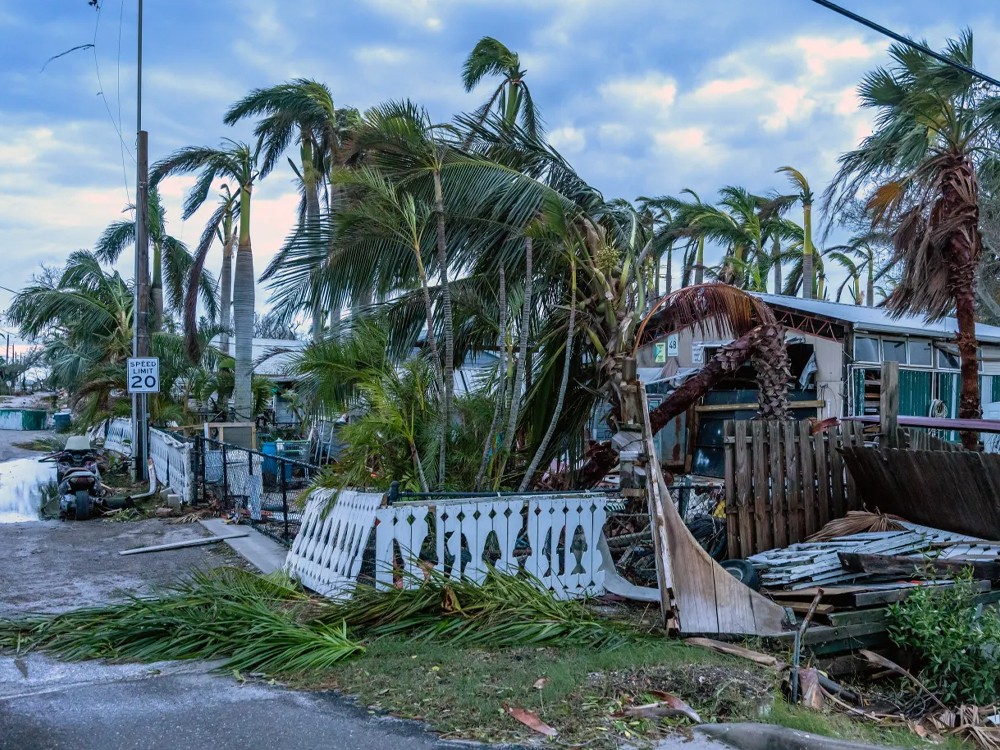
{"x": 140, "y": 323}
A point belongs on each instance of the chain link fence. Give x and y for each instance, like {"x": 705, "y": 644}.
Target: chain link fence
{"x": 266, "y": 490}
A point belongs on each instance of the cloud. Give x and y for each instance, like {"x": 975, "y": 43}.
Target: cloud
{"x": 568, "y": 140}
{"x": 653, "y": 92}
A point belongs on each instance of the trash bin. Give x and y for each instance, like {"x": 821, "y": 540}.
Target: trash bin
{"x": 62, "y": 421}
{"x": 270, "y": 465}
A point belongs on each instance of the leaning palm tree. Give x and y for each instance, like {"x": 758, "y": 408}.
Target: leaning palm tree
{"x": 239, "y": 163}
{"x": 935, "y": 127}
{"x": 171, "y": 261}
{"x": 512, "y": 97}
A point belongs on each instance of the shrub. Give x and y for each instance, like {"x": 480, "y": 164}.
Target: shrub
{"x": 955, "y": 641}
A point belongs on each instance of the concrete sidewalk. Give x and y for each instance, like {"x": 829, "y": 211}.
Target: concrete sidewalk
{"x": 262, "y": 552}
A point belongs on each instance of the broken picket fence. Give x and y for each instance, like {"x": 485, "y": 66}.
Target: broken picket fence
{"x": 553, "y": 537}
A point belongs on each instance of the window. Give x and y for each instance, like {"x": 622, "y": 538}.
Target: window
{"x": 893, "y": 351}
{"x": 866, "y": 349}
{"x": 947, "y": 360}
{"x": 920, "y": 353}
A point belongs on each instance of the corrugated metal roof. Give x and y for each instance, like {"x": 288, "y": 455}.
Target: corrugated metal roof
{"x": 878, "y": 320}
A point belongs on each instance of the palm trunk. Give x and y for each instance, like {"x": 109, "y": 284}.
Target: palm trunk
{"x": 871, "y": 278}
{"x": 310, "y": 186}
{"x": 156, "y": 287}
{"x": 520, "y": 366}
{"x": 501, "y": 393}
{"x": 808, "y": 273}
{"x": 857, "y": 289}
{"x": 668, "y": 279}
{"x": 226, "y": 285}
{"x": 728, "y": 360}
{"x": 243, "y": 308}
{"x": 563, "y": 385}
{"x": 449, "y": 333}
{"x": 776, "y": 256}
{"x": 699, "y": 262}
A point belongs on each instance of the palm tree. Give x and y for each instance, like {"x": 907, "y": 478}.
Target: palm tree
{"x": 301, "y": 110}
{"x": 219, "y": 228}
{"x": 405, "y": 144}
{"x": 935, "y": 125}
{"x": 805, "y": 195}
{"x": 238, "y": 163}
{"x": 512, "y": 97}
{"x": 171, "y": 260}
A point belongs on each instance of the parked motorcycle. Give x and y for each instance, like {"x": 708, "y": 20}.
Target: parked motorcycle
{"x": 79, "y": 478}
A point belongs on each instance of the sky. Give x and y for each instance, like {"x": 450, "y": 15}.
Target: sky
{"x": 644, "y": 97}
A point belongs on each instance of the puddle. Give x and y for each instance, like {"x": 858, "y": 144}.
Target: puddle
{"x": 22, "y": 485}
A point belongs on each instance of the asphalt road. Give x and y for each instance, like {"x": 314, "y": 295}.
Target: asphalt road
{"x": 45, "y": 705}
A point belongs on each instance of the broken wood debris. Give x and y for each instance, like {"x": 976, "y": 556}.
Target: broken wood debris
{"x": 181, "y": 545}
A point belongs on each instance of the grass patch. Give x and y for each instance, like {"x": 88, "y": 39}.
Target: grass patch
{"x": 461, "y": 692}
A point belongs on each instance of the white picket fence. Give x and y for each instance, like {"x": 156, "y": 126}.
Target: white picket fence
{"x": 327, "y": 551}
{"x": 552, "y": 537}
{"x": 116, "y": 434}
{"x": 173, "y": 463}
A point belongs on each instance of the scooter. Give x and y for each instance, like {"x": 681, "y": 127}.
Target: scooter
{"x": 79, "y": 478}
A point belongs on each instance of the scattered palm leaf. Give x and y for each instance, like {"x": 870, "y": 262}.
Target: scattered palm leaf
{"x": 503, "y": 610}
{"x": 530, "y": 720}
{"x": 192, "y": 517}
{"x": 857, "y": 522}
{"x": 257, "y": 624}
{"x": 882, "y": 661}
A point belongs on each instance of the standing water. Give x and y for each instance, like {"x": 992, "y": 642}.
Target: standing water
{"x": 22, "y": 489}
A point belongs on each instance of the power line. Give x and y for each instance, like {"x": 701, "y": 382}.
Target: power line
{"x": 907, "y": 41}
{"x": 97, "y": 67}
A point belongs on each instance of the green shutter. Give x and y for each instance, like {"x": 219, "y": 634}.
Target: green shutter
{"x": 914, "y": 393}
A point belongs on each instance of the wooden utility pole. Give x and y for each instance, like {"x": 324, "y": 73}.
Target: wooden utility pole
{"x": 140, "y": 312}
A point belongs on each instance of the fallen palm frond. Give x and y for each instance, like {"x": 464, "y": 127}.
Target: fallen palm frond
{"x": 503, "y": 610}
{"x": 256, "y": 624}
{"x": 857, "y": 522}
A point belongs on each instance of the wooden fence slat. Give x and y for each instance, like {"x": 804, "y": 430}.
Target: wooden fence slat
{"x": 793, "y": 490}
{"x": 744, "y": 485}
{"x": 852, "y": 436}
{"x": 732, "y": 508}
{"x": 822, "y": 478}
{"x": 808, "y": 466}
{"x": 761, "y": 490}
{"x": 838, "y": 505}
{"x": 778, "y": 508}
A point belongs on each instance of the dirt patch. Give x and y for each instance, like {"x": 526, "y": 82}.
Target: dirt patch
{"x": 53, "y": 566}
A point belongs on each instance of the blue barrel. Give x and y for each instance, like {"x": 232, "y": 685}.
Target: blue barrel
{"x": 270, "y": 465}
{"x": 62, "y": 421}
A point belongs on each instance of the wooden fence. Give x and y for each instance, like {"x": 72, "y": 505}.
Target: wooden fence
{"x": 784, "y": 483}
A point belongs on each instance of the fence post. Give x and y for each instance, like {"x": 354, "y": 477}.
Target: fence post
{"x": 284, "y": 493}
{"x": 889, "y": 405}
{"x": 225, "y": 475}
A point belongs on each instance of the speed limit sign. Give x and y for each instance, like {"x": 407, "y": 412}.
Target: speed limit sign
{"x": 143, "y": 375}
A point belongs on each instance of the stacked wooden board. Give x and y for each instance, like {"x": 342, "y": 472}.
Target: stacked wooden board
{"x": 852, "y": 612}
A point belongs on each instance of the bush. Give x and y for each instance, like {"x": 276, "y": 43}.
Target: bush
{"x": 955, "y": 641}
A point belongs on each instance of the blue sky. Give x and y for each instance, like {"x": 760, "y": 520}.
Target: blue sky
{"x": 644, "y": 97}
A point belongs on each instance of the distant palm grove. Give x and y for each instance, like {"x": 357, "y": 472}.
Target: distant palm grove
{"x": 421, "y": 243}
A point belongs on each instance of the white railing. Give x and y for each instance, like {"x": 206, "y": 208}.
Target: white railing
{"x": 552, "y": 537}
{"x": 555, "y": 538}
{"x": 116, "y": 434}
{"x": 172, "y": 460}
{"x": 327, "y": 551}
